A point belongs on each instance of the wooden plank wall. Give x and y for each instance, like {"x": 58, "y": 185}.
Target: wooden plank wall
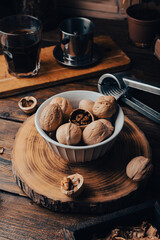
{"x": 107, "y": 9}
{"x": 124, "y": 4}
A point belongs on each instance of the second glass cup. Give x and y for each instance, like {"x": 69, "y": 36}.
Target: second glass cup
{"x": 20, "y": 37}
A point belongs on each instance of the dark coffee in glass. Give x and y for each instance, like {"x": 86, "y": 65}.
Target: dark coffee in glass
{"x": 21, "y": 45}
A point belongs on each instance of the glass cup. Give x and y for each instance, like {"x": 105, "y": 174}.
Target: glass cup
{"x": 20, "y": 37}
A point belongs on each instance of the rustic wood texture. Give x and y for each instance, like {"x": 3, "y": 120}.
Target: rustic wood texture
{"x": 66, "y": 11}
{"x": 100, "y": 5}
{"x": 7, "y": 136}
{"x": 90, "y": 8}
{"x": 51, "y": 72}
{"x": 109, "y": 9}
{"x": 38, "y": 171}
{"x": 124, "y": 4}
{"x": 23, "y": 219}
{"x": 20, "y": 217}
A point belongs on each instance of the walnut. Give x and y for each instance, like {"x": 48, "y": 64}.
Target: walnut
{"x": 81, "y": 117}
{"x": 28, "y": 104}
{"x": 86, "y": 104}
{"x": 72, "y": 185}
{"x": 65, "y": 106}
{"x": 105, "y": 107}
{"x": 146, "y": 231}
{"x": 109, "y": 126}
{"x": 69, "y": 134}
{"x": 97, "y": 131}
{"x": 51, "y": 117}
{"x": 139, "y": 168}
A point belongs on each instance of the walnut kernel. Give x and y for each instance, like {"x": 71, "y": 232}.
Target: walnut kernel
{"x": 73, "y": 185}
{"x": 28, "y": 104}
{"x": 81, "y": 117}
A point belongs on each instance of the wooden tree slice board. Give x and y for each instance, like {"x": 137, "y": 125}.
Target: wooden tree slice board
{"x": 38, "y": 171}
{"x": 51, "y": 72}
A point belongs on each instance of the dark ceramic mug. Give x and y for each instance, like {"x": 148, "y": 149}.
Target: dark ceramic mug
{"x": 76, "y": 38}
{"x": 143, "y": 24}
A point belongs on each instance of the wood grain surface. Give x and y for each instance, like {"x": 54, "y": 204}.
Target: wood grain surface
{"x": 51, "y": 72}
{"x": 20, "y": 218}
{"x": 39, "y": 171}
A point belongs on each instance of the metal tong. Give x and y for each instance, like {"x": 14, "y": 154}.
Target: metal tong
{"x": 118, "y": 85}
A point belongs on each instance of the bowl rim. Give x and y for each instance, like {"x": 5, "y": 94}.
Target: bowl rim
{"x": 48, "y": 139}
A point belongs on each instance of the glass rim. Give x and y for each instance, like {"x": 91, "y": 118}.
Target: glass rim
{"x": 22, "y": 15}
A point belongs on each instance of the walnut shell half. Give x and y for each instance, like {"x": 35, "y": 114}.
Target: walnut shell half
{"x": 73, "y": 185}
{"x": 81, "y": 117}
{"x": 28, "y": 104}
{"x": 139, "y": 168}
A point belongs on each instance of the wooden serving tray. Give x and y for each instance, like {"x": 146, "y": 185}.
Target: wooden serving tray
{"x": 51, "y": 72}
{"x": 38, "y": 171}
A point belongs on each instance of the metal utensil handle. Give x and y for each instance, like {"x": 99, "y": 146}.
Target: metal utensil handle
{"x": 147, "y": 87}
{"x": 142, "y": 108}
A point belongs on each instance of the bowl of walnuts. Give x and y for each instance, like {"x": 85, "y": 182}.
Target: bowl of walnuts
{"x": 79, "y": 126}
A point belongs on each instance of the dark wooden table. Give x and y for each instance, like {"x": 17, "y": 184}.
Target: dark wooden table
{"x": 20, "y": 218}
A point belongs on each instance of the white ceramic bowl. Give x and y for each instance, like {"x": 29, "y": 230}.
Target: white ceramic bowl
{"x": 80, "y": 153}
